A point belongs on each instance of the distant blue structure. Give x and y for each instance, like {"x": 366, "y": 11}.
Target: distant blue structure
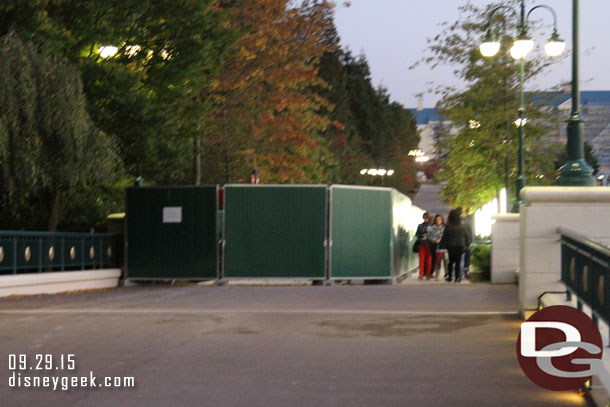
{"x": 595, "y": 109}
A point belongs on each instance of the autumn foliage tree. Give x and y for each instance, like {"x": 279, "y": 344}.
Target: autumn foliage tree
{"x": 263, "y": 115}
{"x": 201, "y": 91}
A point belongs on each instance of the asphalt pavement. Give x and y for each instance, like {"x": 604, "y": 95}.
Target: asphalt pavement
{"x": 388, "y": 345}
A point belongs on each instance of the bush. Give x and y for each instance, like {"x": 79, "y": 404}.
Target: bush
{"x": 480, "y": 257}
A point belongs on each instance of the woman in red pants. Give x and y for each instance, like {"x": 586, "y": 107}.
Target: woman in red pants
{"x": 425, "y": 255}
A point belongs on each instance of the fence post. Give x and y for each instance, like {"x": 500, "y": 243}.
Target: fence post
{"x": 63, "y": 253}
{"x": 40, "y": 254}
{"x": 15, "y": 255}
{"x": 82, "y": 245}
{"x": 101, "y": 253}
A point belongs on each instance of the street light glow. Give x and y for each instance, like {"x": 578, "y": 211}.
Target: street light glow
{"x": 489, "y": 48}
{"x": 520, "y": 122}
{"x": 521, "y": 47}
{"x": 108, "y": 51}
{"x": 132, "y": 50}
{"x": 554, "y": 46}
{"x": 419, "y": 155}
{"x": 376, "y": 172}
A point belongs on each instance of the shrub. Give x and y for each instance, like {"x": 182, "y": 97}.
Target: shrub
{"x": 480, "y": 257}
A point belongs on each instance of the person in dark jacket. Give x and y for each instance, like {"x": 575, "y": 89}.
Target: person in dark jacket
{"x": 455, "y": 239}
{"x": 466, "y": 221}
{"x": 425, "y": 255}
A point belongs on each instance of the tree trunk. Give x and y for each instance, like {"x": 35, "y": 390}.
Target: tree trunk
{"x": 54, "y": 212}
{"x": 197, "y": 159}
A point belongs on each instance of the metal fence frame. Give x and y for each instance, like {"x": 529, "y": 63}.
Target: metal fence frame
{"x": 326, "y": 231}
{"x": 172, "y": 278}
{"x": 56, "y": 251}
{"x": 330, "y": 235}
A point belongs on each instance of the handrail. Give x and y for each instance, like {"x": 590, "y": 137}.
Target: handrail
{"x": 29, "y": 251}
{"x": 582, "y": 239}
{"x": 26, "y": 233}
{"x": 585, "y": 271}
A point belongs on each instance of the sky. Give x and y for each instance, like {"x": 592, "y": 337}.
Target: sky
{"x": 392, "y": 34}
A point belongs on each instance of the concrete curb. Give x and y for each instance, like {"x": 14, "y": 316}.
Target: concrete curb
{"x": 56, "y": 282}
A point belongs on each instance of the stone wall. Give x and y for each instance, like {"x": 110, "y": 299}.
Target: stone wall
{"x": 504, "y": 248}
{"x": 585, "y": 210}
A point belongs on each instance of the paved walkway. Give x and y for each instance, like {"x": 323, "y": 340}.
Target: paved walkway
{"x": 428, "y": 198}
{"x": 402, "y": 345}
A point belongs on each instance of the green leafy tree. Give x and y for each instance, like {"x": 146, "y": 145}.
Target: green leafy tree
{"x": 481, "y": 158}
{"x": 152, "y": 93}
{"x": 367, "y": 130}
{"x": 49, "y": 147}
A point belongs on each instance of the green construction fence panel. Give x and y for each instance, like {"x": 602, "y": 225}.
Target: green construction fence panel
{"x": 275, "y": 231}
{"x": 406, "y": 218}
{"x": 171, "y": 233}
{"x": 361, "y": 232}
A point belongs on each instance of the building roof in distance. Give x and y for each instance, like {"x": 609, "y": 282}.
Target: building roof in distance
{"x": 587, "y": 98}
{"x": 425, "y": 116}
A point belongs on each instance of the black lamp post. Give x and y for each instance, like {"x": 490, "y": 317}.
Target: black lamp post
{"x": 521, "y": 47}
{"x": 575, "y": 172}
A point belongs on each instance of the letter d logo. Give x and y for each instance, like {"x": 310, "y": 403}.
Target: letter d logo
{"x": 528, "y": 338}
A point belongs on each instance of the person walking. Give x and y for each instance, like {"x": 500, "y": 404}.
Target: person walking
{"x": 425, "y": 257}
{"x": 466, "y": 221}
{"x": 455, "y": 239}
{"x": 435, "y": 233}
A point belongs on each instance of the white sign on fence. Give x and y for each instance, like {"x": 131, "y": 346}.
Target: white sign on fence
{"x": 172, "y": 214}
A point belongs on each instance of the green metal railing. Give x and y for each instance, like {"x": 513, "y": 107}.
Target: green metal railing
{"x": 56, "y": 251}
{"x": 585, "y": 270}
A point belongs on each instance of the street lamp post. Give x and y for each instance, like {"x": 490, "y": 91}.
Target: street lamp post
{"x": 575, "y": 172}
{"x": 521, "y": 47}
{"x": 521, "y": 177}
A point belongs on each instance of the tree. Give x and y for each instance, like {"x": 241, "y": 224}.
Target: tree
{"x": 151, "y": 93}
{"x": 48, "y": 145}
{"x": 368, "y": 129}
{"x": 263, "y": 114}
{"x": 482, "y": 158}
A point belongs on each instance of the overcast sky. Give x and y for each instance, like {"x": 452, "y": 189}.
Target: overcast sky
{"x": 392, "y": 34}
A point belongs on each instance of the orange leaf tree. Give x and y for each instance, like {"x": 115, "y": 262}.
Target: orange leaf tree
{"x": 265, "y": 115}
